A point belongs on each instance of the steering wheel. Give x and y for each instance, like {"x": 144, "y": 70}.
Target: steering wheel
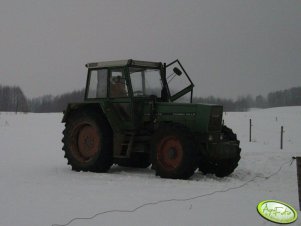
{"x": 138, "y": 93}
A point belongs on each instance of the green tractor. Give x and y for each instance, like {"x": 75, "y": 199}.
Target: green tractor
{"x": 134, "y": 114}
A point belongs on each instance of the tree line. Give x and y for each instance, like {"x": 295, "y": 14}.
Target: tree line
{"x": 288, "y": 97}
{"x": 49, "y": 103}
{"x": 13, "y": 99}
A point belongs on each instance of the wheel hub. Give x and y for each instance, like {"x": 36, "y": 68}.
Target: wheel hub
{"x": 170, "y": 153}
{"x": 88, "y": 141}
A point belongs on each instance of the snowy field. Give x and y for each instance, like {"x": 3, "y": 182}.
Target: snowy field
{"x": 37, "y": 188}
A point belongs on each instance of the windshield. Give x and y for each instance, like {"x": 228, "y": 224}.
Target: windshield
{"x": 145, "y": 81}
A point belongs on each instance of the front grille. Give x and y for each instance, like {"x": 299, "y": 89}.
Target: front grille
{"x": 216, "y": 115}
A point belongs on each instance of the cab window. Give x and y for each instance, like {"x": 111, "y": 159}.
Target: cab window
{"x": 118, "y": 87}
{"x": 146, "y": 82}
{"x": 97, "y": 83}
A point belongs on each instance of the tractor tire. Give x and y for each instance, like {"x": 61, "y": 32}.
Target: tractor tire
{"x": 88, "y": 141}
{"x": 226, "y": 167}
{"x": 206, "y": 167}
{"x": 174, "y": 152}
{"x": 229, "y": 135}
{"x": 137, "y": 160}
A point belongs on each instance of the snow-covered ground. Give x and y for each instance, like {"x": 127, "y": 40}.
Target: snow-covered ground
{"x": 38, "y": 188}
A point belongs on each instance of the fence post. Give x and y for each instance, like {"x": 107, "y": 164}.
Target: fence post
{"x": 250, "y": 132}
{"x": 298, "y": 162}
{"x": 281, "y": 138}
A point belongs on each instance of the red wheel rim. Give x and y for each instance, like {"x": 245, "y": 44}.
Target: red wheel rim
{"x": 86, "y": 142}
{"x": 170, "y": 153}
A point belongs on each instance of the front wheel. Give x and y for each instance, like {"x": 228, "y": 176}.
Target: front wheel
{"x": 224, "y": 167}
{"x": 174, "y": 152}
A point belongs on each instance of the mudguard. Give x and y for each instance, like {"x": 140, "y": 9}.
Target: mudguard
{"x": 75, "y": 106}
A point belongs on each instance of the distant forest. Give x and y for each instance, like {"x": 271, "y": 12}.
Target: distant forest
{"x": 13, "y": 99}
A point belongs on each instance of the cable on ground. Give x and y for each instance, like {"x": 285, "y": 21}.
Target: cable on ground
{"x": 177, "y": 200}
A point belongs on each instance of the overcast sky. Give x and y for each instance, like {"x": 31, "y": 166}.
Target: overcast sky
{"x": 229, "y": 47}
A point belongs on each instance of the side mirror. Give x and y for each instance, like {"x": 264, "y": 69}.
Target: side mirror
{"x": 177, "y": 71}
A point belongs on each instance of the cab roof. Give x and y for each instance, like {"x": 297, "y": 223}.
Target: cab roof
{"x": 123, "y": 63}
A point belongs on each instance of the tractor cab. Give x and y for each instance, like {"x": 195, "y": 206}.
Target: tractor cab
{"x": 127, "y": 79}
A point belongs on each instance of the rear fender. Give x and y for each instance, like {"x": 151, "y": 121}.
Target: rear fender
{"x": 76, "y": 106}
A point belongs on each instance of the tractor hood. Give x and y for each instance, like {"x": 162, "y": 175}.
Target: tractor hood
{"x": 200, "y": 118}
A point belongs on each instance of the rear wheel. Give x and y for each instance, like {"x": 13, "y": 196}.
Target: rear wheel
{"x": 174, "y": 152}
{"x": 88, "y": 141}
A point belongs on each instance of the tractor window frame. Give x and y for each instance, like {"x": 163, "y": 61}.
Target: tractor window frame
{"x": 88, "y": 82}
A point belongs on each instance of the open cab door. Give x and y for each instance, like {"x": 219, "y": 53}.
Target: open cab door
{"x": 179, "y": 83}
